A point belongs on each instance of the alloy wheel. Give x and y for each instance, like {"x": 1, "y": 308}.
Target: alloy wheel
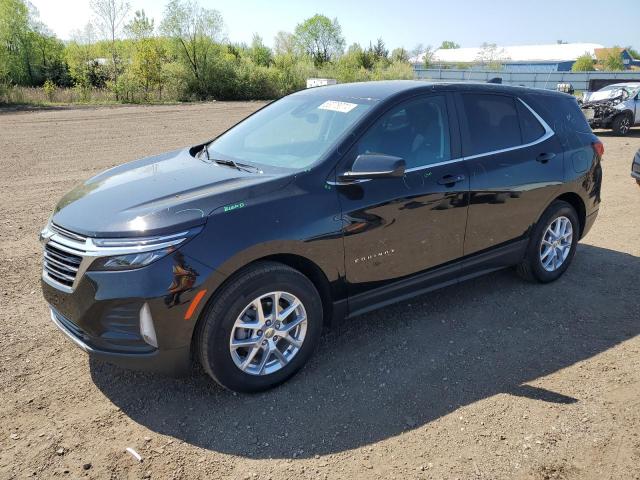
{"x": 625, "y": 125}
{"x": 268, "y": 333}
{"x": 556, "y": 244}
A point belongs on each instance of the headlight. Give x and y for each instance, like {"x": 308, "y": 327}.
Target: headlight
{"x": 129, "y": 262}
{"x": 130, "y": 253}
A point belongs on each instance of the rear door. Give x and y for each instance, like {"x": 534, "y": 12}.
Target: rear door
{"x": 515, "y": 164}
{"x": 397, "y": 227}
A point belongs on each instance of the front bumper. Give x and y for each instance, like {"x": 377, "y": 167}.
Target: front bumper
{"x": 176, "y": 361}
{"x": 102, "y": 313}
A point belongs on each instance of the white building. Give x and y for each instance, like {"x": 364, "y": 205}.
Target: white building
{"x": 552, "y": 57}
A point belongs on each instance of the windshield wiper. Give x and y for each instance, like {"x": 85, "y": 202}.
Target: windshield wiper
{"x": 239, "y": 166}
{"x": 229, "y": 163}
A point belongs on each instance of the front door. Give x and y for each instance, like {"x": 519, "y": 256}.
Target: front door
{"x": 397, "y": 227}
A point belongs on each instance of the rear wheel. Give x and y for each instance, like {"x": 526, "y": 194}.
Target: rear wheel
{"x": 261, "y": 328}
{"x": 552, "y": 245}
{"x": 621, "y": 125}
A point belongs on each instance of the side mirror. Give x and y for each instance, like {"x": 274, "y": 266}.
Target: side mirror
{"x": 374, "y": 165}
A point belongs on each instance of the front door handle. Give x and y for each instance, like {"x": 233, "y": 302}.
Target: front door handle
{"x": 545, "y": 157}
{"x": 450, "y": 180}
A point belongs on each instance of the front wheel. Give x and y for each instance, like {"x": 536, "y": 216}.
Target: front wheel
{"x": 261, "y": 328}
{"x": 621, "y": 125}
{"x": 552, "y": 245}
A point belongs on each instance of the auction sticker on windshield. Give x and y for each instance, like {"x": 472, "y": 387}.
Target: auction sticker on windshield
{"x": 335, "y": 106}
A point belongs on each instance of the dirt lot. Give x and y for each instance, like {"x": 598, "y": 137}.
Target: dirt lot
{"x": 491, "y": 379}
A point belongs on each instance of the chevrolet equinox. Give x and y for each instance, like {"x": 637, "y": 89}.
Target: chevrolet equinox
{"x": 321, "y": 206}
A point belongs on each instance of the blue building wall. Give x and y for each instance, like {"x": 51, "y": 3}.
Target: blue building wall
{"x": 628, "y": 60}
{"x": 537, "y": 66}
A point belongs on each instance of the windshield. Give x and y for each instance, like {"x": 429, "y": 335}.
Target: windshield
{"x": 292, "y": 133}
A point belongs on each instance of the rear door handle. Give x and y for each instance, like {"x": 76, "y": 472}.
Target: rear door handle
{"x": 545, "y": 157}
{"x": 451, "y": 180}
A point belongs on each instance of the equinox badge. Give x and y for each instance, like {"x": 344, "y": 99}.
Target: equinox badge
{"x": 374, "y": 255}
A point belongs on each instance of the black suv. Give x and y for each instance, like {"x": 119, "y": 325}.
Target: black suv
{"x": 321, "y": 206}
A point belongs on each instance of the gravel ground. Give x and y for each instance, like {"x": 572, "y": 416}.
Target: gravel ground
{"x": 494, "y": 378}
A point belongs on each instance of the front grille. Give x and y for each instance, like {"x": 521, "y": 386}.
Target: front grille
{"x": 61, "y": 266}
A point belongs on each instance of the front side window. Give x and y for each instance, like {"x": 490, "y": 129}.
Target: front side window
{"x": 292, "y": 133}
{"x": 492, "y": 122}
{"x": 416, "y": 131}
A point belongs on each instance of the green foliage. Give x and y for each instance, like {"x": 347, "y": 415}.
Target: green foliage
{"x": 491, "y": 57}
{"x": 633, "y": 52}
{"x": 49, "y": 90}
{"x": 193, "y": 31}
{"x": 284, "y": 44}
{"x": 448, "y": 45}
{"x": 186, "y": 59}
{"x": 320, "y": 38}
{"x": 400, "y": 55}
{"x": 259, "y": 53}
{"x": 29, "y": 54}
{"x": 613, "y": 61}
{"x": 583, "y": 63}
{"x": 379, "y": 50}
{"x": 140, "y": 27}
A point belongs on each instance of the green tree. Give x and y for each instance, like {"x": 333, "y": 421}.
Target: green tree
{"x": 448, "y": 45}
{"x": 400, "y": 55}
{"x": 491, "y": 56}
{"x": 110, "y": 16}
{"x": 633, "y": 52}
{"x": 584, "y": 63}
{"x": 194, "y": 31}
{"x": 147, "y": 64}
{"x": 148, "y": 54}
{"x": 422, "y": 54}
{"x": 140, "y": 26}
{"x": 379, "y": 50}
{"x": 320, "y": 38}
{"x": 29, "y": 52}
{"x": 259, "y": 53}
{"x": 15, "y": 43}
{"x": 284, "y": 43}
{"x": 427, "y": 56}
{"x": 612, "y": 61}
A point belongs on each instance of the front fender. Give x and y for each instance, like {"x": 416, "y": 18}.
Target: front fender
{"x": 293, "y": 221}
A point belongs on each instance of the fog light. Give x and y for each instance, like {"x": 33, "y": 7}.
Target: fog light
{"x": 146, "y": 326}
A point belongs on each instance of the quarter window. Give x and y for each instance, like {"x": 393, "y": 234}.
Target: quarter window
{"x": 417, "y": 131}
{"x": 531, "y": 128}
{"x": 492, "y": 121}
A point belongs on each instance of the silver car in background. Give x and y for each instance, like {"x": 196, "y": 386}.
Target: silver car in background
{"x": 615, "y": 106}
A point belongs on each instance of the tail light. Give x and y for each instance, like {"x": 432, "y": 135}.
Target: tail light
{"x": 598, "y": 147}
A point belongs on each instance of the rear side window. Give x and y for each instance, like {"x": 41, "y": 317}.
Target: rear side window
{"x": 492, "y": 121}
{"x": 565, "y": 118}
{"x": 531, "y": 128}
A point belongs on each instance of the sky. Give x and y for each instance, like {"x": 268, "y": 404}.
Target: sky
{"x": 401, "y": 22}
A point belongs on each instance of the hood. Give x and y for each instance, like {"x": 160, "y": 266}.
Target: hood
{"x": 147, "y": 197}
{"x": 602, "y": 95}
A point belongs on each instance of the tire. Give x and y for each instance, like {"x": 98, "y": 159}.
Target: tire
{"x": 533, "y": 266}
{"x": 621, "y": 125}
{"x": 251, "y": 286}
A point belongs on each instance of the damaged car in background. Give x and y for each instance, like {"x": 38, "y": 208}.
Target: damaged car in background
{"x": 615, "y": 106}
